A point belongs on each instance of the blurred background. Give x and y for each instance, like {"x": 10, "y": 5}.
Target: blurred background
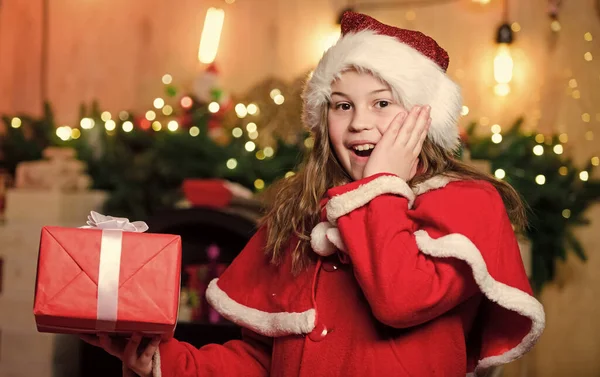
{"x": 182, "y": 113}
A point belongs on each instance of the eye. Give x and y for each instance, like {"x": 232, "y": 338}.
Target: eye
{"x": 344, "y": 106}
{"x": 381, "y": 104}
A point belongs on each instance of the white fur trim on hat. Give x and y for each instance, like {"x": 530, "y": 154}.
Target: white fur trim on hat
{"x": 460, "y": 247}
{"x": 343, "y": 204}
{"x": 416, "y": 79}
{"x": 264, "y": 323}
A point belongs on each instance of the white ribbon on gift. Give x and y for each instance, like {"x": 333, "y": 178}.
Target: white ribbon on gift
{"x": 110, "y": 264}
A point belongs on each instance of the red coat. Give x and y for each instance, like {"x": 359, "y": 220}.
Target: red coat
{"x": 426, "y": 281}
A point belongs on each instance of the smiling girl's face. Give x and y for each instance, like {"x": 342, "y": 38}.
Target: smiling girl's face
{"x": 361, "y": 109}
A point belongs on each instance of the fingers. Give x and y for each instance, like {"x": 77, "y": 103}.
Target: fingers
{"x": 130, "y": 352}
{"x": 91, "y": 339}
{"x": 408, "y": 126}
{"x": 140, "y": 362}
{"x": 107, "y": 343}
{"x": 115, "y": 346}
{"x": 420, "y": 127}
{"x": 423, "y": 135}
{"x": 392, "y": 131}
{"x": 146, "y": 356}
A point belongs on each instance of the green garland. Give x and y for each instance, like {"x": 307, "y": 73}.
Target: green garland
{"x": 143, "y": 169}
{"x": 556, "y": 207}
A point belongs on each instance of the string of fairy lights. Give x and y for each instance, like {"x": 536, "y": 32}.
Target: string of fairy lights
{"x": 544, "y": 142}
{"x": 574, "y": 91}
{"x": 160, "y": 108}
{"x": 160, "y": 117}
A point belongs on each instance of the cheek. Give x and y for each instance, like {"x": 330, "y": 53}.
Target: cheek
{"x": 336, "y": 131}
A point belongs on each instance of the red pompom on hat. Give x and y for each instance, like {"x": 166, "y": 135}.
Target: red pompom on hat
{"x": 412, "y": 63}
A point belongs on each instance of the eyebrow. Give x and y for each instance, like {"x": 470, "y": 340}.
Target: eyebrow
{"x": 373, "y": 92}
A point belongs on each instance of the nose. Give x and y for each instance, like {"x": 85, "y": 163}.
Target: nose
{"x": 362, "y": 120}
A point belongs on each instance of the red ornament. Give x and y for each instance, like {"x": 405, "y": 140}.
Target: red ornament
{"x": 214, "y": 124}
{"x": 142, "y": 123}
{"x": 186, "y": 102}
{"x": 212, "y": 68}
{"x": 554, "y": 8}
{"x": 185, "y": 120}
{"x": 225, "y": 106}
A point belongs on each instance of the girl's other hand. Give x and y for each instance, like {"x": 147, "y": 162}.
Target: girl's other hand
{"x": 135, "y": 353}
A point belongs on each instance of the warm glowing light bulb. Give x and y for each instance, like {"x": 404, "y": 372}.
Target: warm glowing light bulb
{"x": 540, "y": 179}
{"x": 503, "y": 64}
{"x": 16, "y": 122}
{"x": 211, "y": 35}
{"x": 269, "y": 152}
{"x": 231, "y": 163}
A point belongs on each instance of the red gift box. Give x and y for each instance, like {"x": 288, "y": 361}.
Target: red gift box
{"x": 99, "y": 280}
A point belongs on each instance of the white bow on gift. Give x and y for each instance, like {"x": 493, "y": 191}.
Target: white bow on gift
{"x": 100, "y": 221}
{"x": 110, "y": 264}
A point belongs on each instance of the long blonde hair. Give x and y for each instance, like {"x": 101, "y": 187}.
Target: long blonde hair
{"x": 294, "y": 203}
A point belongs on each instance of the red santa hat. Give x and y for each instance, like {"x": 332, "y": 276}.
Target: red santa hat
{"x": 412, "y": 63}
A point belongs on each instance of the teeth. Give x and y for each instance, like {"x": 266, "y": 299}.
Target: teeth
{"x": 364, "y": 147}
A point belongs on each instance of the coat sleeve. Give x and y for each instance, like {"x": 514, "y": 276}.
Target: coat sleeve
{"x": 411, "y": 258}
{"x": 250, "y": 357}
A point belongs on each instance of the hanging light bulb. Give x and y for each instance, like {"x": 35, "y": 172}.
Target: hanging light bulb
{"x": 503, "y": 61}
{"x": 211, "y": 35}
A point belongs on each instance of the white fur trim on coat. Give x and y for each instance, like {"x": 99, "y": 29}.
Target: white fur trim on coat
{"x": 264, "y": 323}
{"x": 413, "y": 77}
{"x": 325, "y": 239}
{"x": 460, "y": 247}
{"x": 334, "y": 236}
{"x": 433, "y": 183}
{"x": 319, "y": 241}
{"x": 343, "y": 204}
{"x": 156, "y": 372}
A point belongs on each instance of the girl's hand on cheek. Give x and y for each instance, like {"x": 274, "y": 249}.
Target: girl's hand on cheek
{"x": 397, "y": 152}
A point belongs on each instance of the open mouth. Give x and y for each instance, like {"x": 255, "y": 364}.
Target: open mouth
{"x": 363, "y": 150}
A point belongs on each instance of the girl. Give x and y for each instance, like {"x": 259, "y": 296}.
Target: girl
{"x": 384, "y": 256}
